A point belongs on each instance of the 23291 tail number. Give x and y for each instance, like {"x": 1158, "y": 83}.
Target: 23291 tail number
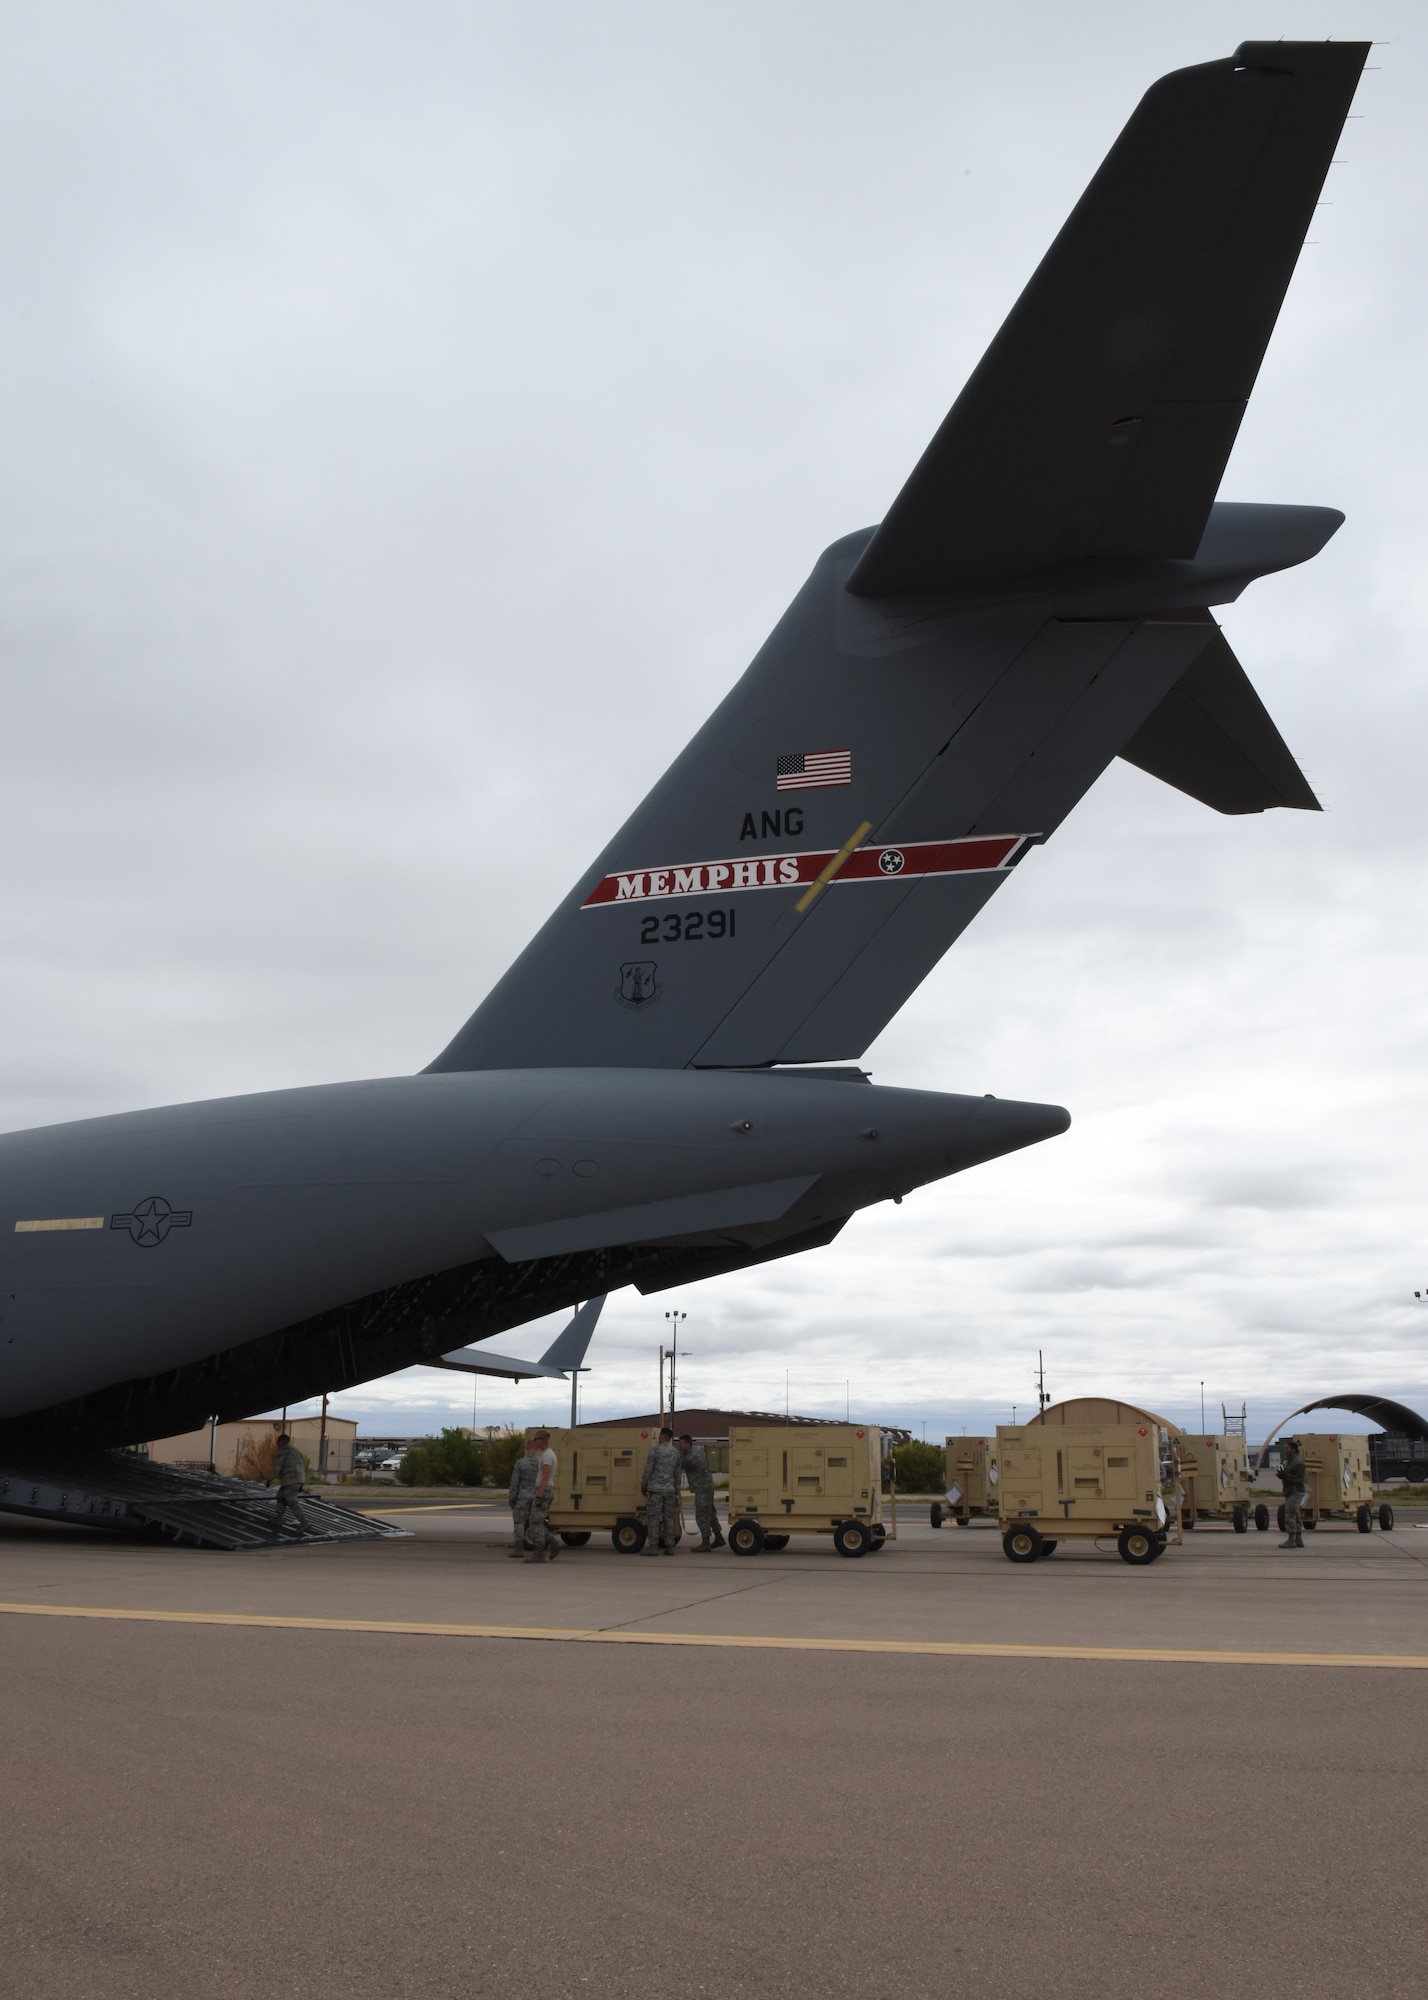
{"x": 688, "y": 927}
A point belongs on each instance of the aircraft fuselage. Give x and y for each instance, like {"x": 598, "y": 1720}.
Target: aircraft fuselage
{"x": 141, "y": 1243}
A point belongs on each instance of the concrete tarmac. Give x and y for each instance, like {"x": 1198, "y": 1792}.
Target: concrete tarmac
{"x": 236, "y": 1809}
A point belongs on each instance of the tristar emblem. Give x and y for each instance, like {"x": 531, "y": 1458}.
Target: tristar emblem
{"x": 638, "y": 985}
{"x": 151, "y": 1219}
{"x": 975, "y": 854}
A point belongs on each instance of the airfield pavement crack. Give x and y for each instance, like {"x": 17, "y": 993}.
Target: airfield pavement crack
{"x": 694, "y": 1604}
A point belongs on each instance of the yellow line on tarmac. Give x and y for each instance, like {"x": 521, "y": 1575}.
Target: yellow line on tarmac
{"x": 932, "y": 1648}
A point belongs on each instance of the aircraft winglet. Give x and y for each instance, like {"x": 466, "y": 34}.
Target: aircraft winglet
{"x": 566, "y": 1352}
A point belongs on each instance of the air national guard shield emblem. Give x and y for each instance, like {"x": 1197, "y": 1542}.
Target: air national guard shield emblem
{"x": 638, "y": 986}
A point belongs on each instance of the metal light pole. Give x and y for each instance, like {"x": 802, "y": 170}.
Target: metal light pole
{"x": 675, "y": 1320}
{"x": 575, "y": 1375}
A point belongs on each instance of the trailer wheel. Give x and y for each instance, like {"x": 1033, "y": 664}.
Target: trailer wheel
{"x": 1137, "y": 1545}
{"x": 963, "y": 1520}
{"x": 1239, "y": 1520}
{"x": 1385, "y": 1517}
{"x": 1311, "y": 1521}
{"x": 629, "y": 1536}
{"x": 1049, "y": 1548}
{"x": 852, "y": 1538}
{"x": 1363, "y": 1520}
{"x": 575, "y": 1538}
{"x": 1261, "y": 1518}
{"x": 1187, "y": 1522}
{"x": 1162, "y": 1543}
{"x": 776, "y": 1542}
{"x": 1022, "y": 1543}
{"x": 936, "y": 1514}
{"x": 1281, "y": 1517}
{"x": 879, "y": 1541}
{"x": 746, "y": 1538}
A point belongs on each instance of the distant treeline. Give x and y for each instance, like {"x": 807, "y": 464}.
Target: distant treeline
{"x": 454, "y": 1459}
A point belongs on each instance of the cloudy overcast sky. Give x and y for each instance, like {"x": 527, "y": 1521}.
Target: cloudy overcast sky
{"x": 415, "y": 419}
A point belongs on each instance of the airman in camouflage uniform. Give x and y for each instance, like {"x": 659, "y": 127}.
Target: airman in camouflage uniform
{"x": 659, "y": 1482}
{"x": 521, "y": 1494}
{"x": 695, "y": 1467}
{"x": 289, "y": 1469}
{"x": 1293, "y": 1479}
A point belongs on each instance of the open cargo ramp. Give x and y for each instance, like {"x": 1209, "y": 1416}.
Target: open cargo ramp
{"x": 116, "y": 1489}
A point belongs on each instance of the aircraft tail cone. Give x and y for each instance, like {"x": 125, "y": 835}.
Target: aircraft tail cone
{"x": 1004, "y": 1125}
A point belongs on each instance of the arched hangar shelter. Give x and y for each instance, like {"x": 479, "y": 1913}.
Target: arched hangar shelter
{"x": 1400, "y": 1451}
{"x": 1093, "y": 1411}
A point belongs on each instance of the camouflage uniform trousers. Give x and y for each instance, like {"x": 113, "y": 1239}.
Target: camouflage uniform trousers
{"x": 662, "y": 1519}
{"x": 705, "y": 1519}
{"x": 287, "y": 1502}
{"x": 530, "y": 1521}
{"x": 1293, "y": 1517}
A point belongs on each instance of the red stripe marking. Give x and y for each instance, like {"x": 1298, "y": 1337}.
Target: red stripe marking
{"x": 792, "y": 871}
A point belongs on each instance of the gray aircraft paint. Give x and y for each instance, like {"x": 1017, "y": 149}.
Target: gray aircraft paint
{"x": 351, "y": 1191}
{"x": 1036, "y": 602}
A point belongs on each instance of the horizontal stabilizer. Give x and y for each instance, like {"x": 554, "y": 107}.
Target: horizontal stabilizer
{"x": 1212, "y": 737}
{"x": 481, "y": 1361}
{"x": 1100, "y": 419}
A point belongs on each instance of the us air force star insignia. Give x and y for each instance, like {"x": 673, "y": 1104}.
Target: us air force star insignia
{"x": 151, "y": 1220}
{"x": 890, "y": 861}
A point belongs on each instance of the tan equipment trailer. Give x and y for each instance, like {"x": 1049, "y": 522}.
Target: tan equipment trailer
{"x": 597, "y": 1486}
{"x": 1080, "y": 1483}
{"x": 1340, "y": 1483}
{"x": 807, "y": 1479}
{"x": 1214, "y": 1481}
{"x": 971, "y": 1482}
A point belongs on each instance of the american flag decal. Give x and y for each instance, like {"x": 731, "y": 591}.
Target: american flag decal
{"x": 811, "y": 769}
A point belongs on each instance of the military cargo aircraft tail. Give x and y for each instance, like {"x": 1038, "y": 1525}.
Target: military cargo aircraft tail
{"x": 1037, "y": 601}
{"x": 941, "y": 692}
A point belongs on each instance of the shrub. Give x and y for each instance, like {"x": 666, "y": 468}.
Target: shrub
{"x": 256, "y": 1455}
{"x": 453, "y": 1459}
{"x": 501, "y": 1455}
{"x": 920, "y": 1468}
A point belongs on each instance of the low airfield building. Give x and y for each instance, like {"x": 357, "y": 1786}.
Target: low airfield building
{"x": 240, "y": 1449}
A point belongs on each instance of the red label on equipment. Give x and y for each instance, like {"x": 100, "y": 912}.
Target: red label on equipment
{"x": 978, "y": 854}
